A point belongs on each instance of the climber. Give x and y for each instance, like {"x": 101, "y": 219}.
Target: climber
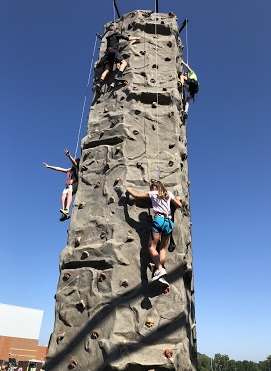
{"x": 162, "y": 224}
{"x": 71, "y": 184}
{"x": 112, "y": 55}
{"x": 190, "y": 82}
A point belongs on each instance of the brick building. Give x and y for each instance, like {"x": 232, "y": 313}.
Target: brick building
{"x": 19, "y": 333}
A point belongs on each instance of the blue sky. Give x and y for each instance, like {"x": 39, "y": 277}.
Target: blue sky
{"x": 46, "y": 51}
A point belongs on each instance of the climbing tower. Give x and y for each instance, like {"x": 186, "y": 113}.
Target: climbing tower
{"x": 108, "y": 315}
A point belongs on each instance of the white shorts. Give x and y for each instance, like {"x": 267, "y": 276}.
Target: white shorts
{"x": 70, "y": 187}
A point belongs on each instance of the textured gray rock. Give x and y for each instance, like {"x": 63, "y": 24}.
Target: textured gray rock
{"x": 108, "y": 315}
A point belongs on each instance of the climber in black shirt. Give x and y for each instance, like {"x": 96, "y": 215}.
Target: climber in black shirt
{"x": 113, "y": 55}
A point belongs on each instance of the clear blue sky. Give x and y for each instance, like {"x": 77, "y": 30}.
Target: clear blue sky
{"x": 46, "y": 51}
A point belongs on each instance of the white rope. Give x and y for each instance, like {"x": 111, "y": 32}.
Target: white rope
{"x": 186, "y": 30}
{"x": 157, "y": 132}
{"x": 84, "y": 104}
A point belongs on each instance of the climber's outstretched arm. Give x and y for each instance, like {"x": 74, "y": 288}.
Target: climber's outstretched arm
{"x": 55, "y": 168}
{"x": 137, "y": 195}
{"x": 73, "y": 161}
{"x": 186, "y": 65}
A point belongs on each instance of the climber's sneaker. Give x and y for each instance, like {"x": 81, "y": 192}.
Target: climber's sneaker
{"x": 63, "y": 218}
{"x": 119, "y": 78}
{"x": 185, "y": 114}
{"x": 163, "y": 281}
{"x": 157, "y": 274}
{"x": 64, "y": 211}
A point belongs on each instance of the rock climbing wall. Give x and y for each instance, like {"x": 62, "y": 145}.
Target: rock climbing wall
{"x": 108, "y": 315}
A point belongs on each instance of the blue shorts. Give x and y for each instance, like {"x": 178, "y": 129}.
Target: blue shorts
{"x": 162, "y": 225}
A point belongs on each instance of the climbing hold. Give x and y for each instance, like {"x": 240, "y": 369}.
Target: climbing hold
{"x": 152, "y": 80}
{"x": 129, "y": 238}
{"x": 66, "y": 276}
{"x": 162, "y": 22}
{"x": 116, "y": 181}
{"x": 139, "y": 165}
{"x": 171, "y": 145}
{"x": 137, "y": 112}
{"x": 143, "y": 52}
{"x": 171, "y": 14}
{"x": 154, "y": 105}
{"x": 143, "y": 74}
{"x": 170, "y": 114}
{"x": 114, "y": 122}
{"x": 153, "y": 127}
{"x": 105, "y": 110}
{"x": 95, "y": 334}
{"x": 124, "y": 283}
{"x": 130, "y": 26}
{"x": 149, "y": 322}
{"x": 102, "y": 235}
{"x": 73, "y": 363}
{"x": 184, "y": 156}
{"x": 135, "y": 88}
{"x": 118, "y": 149}
{"x": 170, "y": 163}
{"x": 77, "y": 241}
{"x": 168, "y": 353}
{"x": 84, "y": 168}
{"x": 97, "y": 185}
{"x": 164, "y": 89}
{"x": 124, "y": 351}
{"x": 111, "y": 200}
{"x": 85, "y": 254}
{"x": 167, "y": 59}
{"x": 169, "y": 44}
{"x": 102, "y": 277}
{"x": 82, "y": 304}
{"x": 155, "y": 66}
{"x": 101, "y": 133}
{"x": 188, "y": 183}
{"x": 60, "y": 337}
{"x": 171, "y": 247}
{"x": 135, "y": 132}
{"x": 106, "y": 167}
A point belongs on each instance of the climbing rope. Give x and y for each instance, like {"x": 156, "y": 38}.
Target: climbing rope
{"x": 114, "y": 12}
{"x": 157, "y": 132}
{"x": 186, "y": 41}
{"x": 84, "y": 104}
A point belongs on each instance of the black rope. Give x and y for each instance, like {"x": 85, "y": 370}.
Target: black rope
{"x": 117, "y": 9}
{"x": 183, "y": 25}
{"x": 156, "y": 6}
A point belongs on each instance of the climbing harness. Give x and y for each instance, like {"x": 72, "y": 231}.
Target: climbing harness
{"x": 84, "y": 104}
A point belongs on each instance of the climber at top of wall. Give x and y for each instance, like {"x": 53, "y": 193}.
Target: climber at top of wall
{"x": 189, "y": 81}
{"x": 113, "y": 55}
{"x": 71, "y": 184}
{"x": 162, "y": 224}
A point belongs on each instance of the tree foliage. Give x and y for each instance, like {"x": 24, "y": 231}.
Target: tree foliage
{"x": 224, "y": 363}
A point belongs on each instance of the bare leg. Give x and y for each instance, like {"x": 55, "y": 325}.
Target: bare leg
{"x": 163, "y": 245}
{"x": 63, "y": 201}
{"x": 68, "y": 199}
{"x": 153, "y": 241}
{"x": 186, "y": 107}
{"x": 123, "y": 65}
{"x": 106, "y": 71}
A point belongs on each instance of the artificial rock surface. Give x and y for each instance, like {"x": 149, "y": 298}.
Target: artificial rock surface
{"x": 108, "y": 315}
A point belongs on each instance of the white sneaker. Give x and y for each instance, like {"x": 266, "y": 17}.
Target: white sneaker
{"x": 158, "y": 274}
{"x": 163, "y": 281}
